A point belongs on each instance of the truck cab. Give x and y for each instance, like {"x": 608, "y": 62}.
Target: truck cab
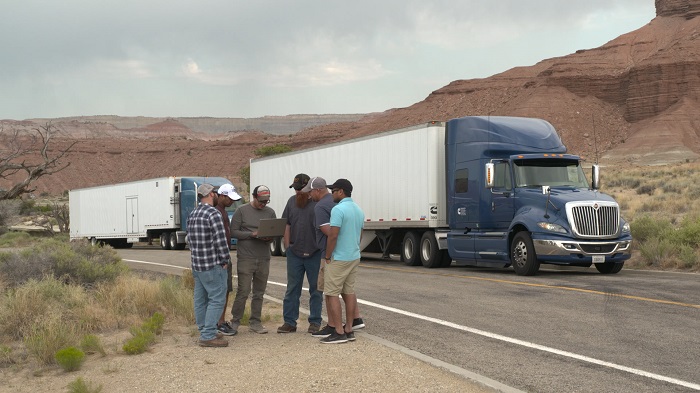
{"x": 516, "y": 198}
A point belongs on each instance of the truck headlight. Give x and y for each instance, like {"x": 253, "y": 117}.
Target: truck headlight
{"x": 626, "y": 228}
{"x": 548, "y": 226}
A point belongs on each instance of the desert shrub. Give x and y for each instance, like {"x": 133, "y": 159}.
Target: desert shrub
{"x": 47, "y": 336}
{"x": 646, "y": 189}
{"x": 26, "y": 207}
{"x": 80, "y": 386}
{"x": 90, "y": 344}
{"x": 144, "y": 335}
{"x": 625, "y": 181}
{"x": 6, "y": 356}
{"x": 646, "y": 227}
{"x": 688, "y": 233}
{"x": 15, "y": 239}
{"x": 75, "y": 262}
{"x": 656, "y": 252}
{"x": 8, "y": 210}
{"x": 688, "y": 258}
{"x": 70, "y": 359}
{"x": 272, "y": 150}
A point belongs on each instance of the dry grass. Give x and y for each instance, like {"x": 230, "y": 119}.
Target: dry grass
{"x": 663, "y": 194}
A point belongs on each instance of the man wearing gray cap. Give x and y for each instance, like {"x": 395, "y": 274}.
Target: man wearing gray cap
{"x": 210, "y": 258}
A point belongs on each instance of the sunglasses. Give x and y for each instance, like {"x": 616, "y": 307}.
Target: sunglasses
{"x": 263, "y": 202}
{"x": 336, "y": 190}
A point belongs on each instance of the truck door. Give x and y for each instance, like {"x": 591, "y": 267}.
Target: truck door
{"x": 132, "y": 215}
{"x": 500, "y": 210}
{"x": 463, "y": 212}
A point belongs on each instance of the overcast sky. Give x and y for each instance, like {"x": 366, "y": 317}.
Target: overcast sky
{"x": 231, "y": 58}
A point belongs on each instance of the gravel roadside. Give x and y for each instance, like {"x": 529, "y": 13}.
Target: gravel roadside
{"x": 252, "y": 362}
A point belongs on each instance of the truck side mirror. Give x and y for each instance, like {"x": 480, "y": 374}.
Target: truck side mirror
{"x": 488, "y": 176}
{"x": 595, "y": 177}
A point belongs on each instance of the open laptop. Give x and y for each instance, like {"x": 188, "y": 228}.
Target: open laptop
{"x": 271, "y": 227}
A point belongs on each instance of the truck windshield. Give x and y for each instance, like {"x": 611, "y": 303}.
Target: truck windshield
{"x": 549, "y": 172}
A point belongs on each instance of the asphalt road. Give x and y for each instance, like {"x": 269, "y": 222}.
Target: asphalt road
{"x": 562, "y": 330}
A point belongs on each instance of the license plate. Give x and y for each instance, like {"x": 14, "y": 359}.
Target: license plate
{"x": 598, "y": 258}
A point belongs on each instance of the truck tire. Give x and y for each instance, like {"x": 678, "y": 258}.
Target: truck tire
{"x": 409, "y": 249}
{"x": 275, "y": 247}
{"x": 609, "y": 267}
{"x": 165, "y": 241}
{"x": 430, "y": 255}
{"x": 283, "y": 249}
{"x": 173, "y": 241}
{"x": 522, "y": 255}
{"x": 446, "y": 259}
{"x": 95, "y": 242}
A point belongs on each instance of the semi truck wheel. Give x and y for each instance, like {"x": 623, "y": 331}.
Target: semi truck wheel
{"x": 446, "y": 259}
{"x": 429, "y": 251}
{"x": 283, "y": 249}
{"x": 522, "y": 255}
{"x": 173, "y": 241}
{"x": 609, "y": 268}
{"x": 409, "y": 249}
{"x": 165, "y": 241}
{"x": 275, "y": 247}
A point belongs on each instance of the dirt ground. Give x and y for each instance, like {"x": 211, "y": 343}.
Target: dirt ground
{"x": 252, "y": 362}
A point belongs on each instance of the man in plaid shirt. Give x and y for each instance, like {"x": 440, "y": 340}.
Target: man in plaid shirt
{"x": 206, "y": 236}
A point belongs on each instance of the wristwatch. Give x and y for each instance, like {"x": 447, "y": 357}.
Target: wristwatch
{"x": 328, "y": 259}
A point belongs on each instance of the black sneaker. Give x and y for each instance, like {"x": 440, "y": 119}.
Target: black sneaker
{"x": 226, "y": 329}
{"x": 325, "y": 332}
{"x": 335, "y": 338}
{"x": 350, "y": 336}
{"x": 358, "y": 323}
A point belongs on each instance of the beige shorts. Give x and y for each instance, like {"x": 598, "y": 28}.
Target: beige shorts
{"x": 340, "y": 277}
{"x": 319, "y": 284}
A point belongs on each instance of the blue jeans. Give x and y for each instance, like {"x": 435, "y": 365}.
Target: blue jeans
{"x": 296, "y": 267}
{"x": 209, "y": 298}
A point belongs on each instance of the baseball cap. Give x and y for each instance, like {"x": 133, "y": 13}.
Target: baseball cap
{"x": 343, "y": 184}
{"x": 204, "y": 189}
{"x": 300, "y": 181}
{"x": 314, "y": 184}
{"x": 262, "y": 193}
{"x": 230, "y": 191}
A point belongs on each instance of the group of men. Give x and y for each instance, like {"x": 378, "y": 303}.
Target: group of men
{"x": 322, "y": 240}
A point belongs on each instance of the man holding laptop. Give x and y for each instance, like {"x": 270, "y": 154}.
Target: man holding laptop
{"x": 253, "y": 252}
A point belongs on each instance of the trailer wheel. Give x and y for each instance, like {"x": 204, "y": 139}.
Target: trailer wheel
{"x": 283, "y": 249}
{"x": 275, "y": 247}
{"x": 95, "y": 242}
{"x": 165, "y": 241}
{"x": 430, "y": 251}
{"x": 609, "y": 268}
{"x": 173, "y": 242}
{"x": 522, "y": 255}
{"x": 409, "y": 249}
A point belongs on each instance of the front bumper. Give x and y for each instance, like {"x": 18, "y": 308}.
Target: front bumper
{"x": 581, "y": 252}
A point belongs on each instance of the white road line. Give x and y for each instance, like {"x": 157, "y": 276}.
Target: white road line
{"x": 495, "y": 336}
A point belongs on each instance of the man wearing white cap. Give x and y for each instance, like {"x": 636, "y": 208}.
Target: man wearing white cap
{"x": 227, "y": 195}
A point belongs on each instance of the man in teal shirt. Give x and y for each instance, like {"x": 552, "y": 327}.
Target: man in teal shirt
{"x": 342, "y": 259}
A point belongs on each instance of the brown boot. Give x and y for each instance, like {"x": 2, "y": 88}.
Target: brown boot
{"x": 214, "y": 342}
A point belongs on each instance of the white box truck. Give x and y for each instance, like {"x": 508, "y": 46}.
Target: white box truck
{"x": 138, "y": 211}
{"x": 482, "y": 191}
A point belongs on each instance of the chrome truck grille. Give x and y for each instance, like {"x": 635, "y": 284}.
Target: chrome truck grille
{"x": 594, "y": 219}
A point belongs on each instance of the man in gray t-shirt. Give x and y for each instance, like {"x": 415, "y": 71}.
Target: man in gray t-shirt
{"x": 253, "y": 254}
{"x": 303, "y": 258}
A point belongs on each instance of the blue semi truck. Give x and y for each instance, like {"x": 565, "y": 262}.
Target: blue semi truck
{"x": 138, "y": 211}
{"x": 479, "y": 191}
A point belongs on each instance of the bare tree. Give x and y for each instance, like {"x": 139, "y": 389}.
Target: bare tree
{"x": 61, "y": 214}
{"x": 25, "y": 157}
